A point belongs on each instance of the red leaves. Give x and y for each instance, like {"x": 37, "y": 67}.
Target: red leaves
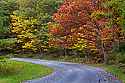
{"x": 102, "y": 21}
{"x": 76, "y": 22}
{"x": 74, "y": 17}
{"x": 54, "y": 31}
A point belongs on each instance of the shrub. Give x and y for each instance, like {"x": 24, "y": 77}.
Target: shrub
{"x": 122, "y": 47}
{"x": 4, "y": 57}
{"x": 121, "y": 57}
{"x": 9, "y": 68}
{"x": 29, "y": 55}
{"x": 7, "y": 43}
{"x": 117, "y": 58}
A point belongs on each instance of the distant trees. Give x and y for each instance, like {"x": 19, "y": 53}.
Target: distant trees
{"x": 118, "y": 10}
{"x": 6, "y": 8}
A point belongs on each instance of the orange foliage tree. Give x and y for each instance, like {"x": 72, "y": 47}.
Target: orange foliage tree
{"x": 85, "y": 24}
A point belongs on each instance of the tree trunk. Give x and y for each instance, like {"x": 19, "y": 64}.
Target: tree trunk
{"x": 99, "y": 41}
{"x": 65, "y": 52}
{"x": 100, "y": 45}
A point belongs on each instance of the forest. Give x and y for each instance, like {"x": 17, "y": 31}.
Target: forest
{"x": 91, "y": 30}
{"x": 83, "y": 31}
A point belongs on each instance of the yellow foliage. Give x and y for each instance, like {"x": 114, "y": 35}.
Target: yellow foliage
{"x": 24, "y": 29}
{"x": 80, "y": 45}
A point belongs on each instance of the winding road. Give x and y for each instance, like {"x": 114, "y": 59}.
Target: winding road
{"x": 66, "y": 72}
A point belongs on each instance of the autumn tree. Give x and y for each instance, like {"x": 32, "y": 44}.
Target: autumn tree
{"x": 86, "y": 23}
{"x": 25, "y": 30}
{"x": 29, "y": 22}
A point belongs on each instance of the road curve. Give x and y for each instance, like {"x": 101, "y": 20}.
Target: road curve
{"x": 70, "y": 73}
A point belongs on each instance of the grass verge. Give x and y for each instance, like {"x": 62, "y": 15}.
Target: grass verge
{"x": 28, "y": 72}
{"x": 113, "y": 69}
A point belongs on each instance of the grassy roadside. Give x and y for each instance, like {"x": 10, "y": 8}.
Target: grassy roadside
{"x": 115, "y": 70}
{"x": 28, "y": 72}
